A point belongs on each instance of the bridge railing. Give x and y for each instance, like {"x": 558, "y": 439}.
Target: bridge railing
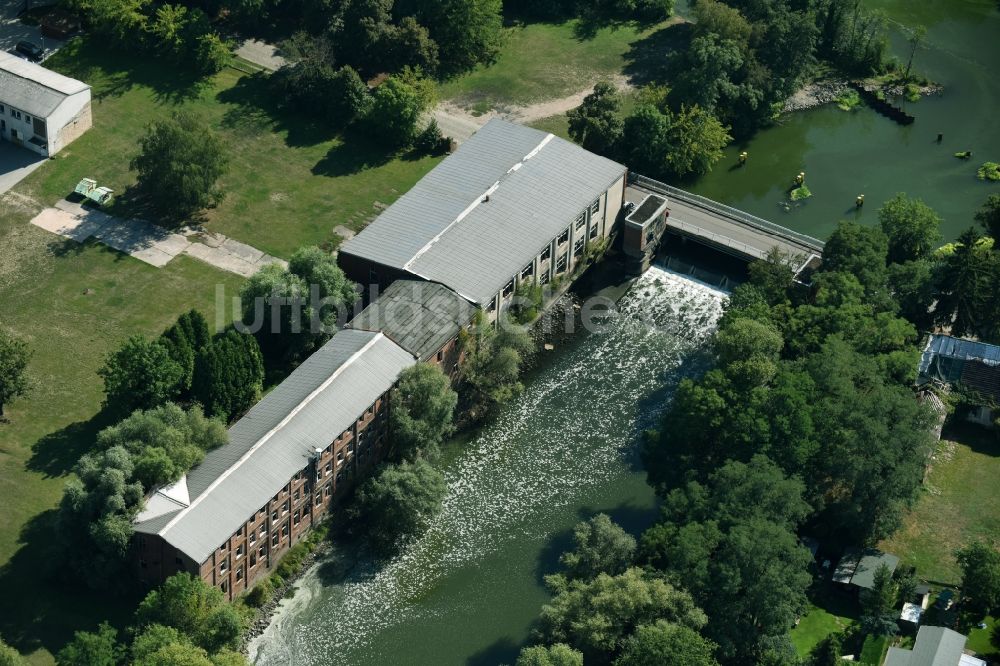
{"x": 718, "y": 239}
{"x": 733, "y": 213}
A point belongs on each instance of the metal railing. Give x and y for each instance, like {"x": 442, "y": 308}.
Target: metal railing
{"x": 718, "y": 239}
{"x": 729, "y": 212}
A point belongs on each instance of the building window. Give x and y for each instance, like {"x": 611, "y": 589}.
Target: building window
{"x": 224, "y": 567}
{"x": 508, "y": 289}
{"x": 179, "y": 562}
{"x": 253, "y": 537}
{"x": 561, "y": 263}
{"x": 372, "y": 276}
{"x": 274, "y": 538}
{"x": 544, "y": 278}
{"x": 297, "y": 495}
{"x": 263, "y": 529}
{"x": 295, "y": 517}
{"x": 593, "y": 231}
{"x": 27, "y": 118}
{"x": 284, "y": 530}
{"x": 528, "y": 271}
{"x": 225, "y": 586}
{"x": 546, "y": 253}
{"x": 328, "y": 489}
{"x": 340, "y": 458}
{"x": 594, "y": 207}
{"x": 492, "y": 306}
{"x": 253, "y": 560}
{"x": 239, "y": 574}
{"x": 2, "y": 108}
{"x": 284, "y": 507}
{"x": 239, "y": 551}
{"x": 262, "y": 551}
{"x": 581, "y": 220}
{"x": 578, "y": 247}
{"x": 319, "y": 498}
{"x": 563, "y": 237}
{"x": 329, "y": 468}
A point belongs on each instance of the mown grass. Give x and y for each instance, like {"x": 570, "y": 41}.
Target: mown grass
{"x": 960, "y": 503}
{"x": 542, "y": 61}
{"x": 829, "y": 613}
{"x": 291, "y": 181}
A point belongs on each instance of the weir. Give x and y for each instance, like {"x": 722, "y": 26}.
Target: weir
{"x": 656, "y": 211}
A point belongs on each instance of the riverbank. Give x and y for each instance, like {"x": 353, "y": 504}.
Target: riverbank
{"x": 826, "y": 91}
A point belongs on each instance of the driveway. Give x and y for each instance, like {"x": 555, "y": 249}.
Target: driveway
{"x": 12, "y": 30}
{"x": 15, "y": 164}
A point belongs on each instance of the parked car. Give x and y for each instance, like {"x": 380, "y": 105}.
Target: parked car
{"x": 32, "y": 51}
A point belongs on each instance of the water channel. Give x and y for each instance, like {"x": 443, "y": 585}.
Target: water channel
{"x": 860, "y": 152}
{"x": 467, "y": 592}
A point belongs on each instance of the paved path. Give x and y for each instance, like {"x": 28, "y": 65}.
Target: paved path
{"x": 150, "y": 243}
{"x": 260, "y": 53}
{"x": 15, "y": 164}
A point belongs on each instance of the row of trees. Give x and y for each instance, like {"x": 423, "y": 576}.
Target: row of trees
{"x": 180, "y": 34}
{"x": 185, "y": 622}
{"x": 223, "y": 373}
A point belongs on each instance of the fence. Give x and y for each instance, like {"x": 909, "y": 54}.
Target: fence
{"x": 734, "y": 214}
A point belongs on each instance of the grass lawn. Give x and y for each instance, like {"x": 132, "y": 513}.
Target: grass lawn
{"x": 960, "y": 503}
{"x": 874, "y": 649}
{"x": 290, "y": 183}
{"x": 979, "y": 639}
{"x": 542, "y": 61}
{"x": 829, "y": 613}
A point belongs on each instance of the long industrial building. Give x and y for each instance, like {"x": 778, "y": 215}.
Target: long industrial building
{"x": 512, "y": 204}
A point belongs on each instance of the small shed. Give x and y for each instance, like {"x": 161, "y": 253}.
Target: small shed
{"x": 857, "y": 567}
{"x": 911, "y": 613}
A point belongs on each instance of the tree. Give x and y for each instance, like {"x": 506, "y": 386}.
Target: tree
{"x": 492, "y": 365}
{"x": 600, "y": 546}
{"x": 595, "y": 616}
{"x": 14, "y": 357}
{"x": 229, "y": 374}
{"x": 966, "y": 282}
{"x": 395, "y": 112}
{"x": 749, "y": 351}
{"x": 323, "y": 276}
{"x": 911, "y": 227}
{"x": 664, "y": 143}
{"x": 773, "y": 276}
{"x": 989, "y": 216}
{"x": 98, "y": 648}
{"x": 559, "y": 654}
{"x": 423, "y": 406}
{"x": 828, "y": 652}
{"x": 9, "y": 656}
{"x": 184, "y": 340}
{"x": 665, "y": 644}
{"x": 915, "y": 37}
{"x": 399, "y": 502}
{"x": 165, "y": 442}
{"x": 597, "y": 124}
{"x": 878, "y": 604}
{"x": 914, "y": 285}
{"x": 468, "y": 32}
{"x": 193, "y": 608}
{"x": 152, "y": 638}
{"x": 980, "y": 564}
{"x": 179, "y": 164}
{"x": 176, "y": 654}
{"x": 858, "y": 250}
{"x": 140, "y": 375}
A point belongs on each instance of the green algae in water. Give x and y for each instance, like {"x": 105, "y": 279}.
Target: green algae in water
{"x": 989, "y": 171}
{"x": 800, "y": 193}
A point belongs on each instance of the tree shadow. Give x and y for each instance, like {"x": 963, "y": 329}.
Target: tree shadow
{"x": 648, "y": 59}
{"x": 352, "y": 155}
{"x": 257, "y": 110}
{"x": 56, "y": 453}
{"x": 978, "y": 438}
{"x": 502, "y": 651}
{"x": 41, "y": 611}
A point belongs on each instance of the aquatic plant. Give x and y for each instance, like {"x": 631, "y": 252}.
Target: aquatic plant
{"x": 989, "y": 171}
{"x": 849, "y": 100}
{"x": 964, "y": 155}
{"x": 799, "y": 193}
{"x": 912, "y": 92}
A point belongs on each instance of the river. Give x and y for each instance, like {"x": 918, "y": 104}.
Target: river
{"x": 469, "y": 589}
{"x": 860, "y": 152}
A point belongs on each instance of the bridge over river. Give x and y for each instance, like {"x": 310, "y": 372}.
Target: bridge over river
{"x": 710, "y": 223}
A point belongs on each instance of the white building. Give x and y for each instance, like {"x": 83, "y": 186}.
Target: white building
{"x": 39, "y": 109}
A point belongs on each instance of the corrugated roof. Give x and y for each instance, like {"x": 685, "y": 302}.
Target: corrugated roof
{"x": 32, "y": 88}
{"x": 269, "y": 445}
{"x": 934, "y": 646}
{"x": 956, "y": 360}
{"x": 487, "y": 210}
{"x": 418, "y": 316}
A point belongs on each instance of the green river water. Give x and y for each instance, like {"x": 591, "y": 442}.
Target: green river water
{"x": 468, "y": 591}
{"x": 860, "y": 152}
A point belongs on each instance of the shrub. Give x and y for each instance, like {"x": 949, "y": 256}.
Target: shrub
{"x": 260, "y": 594}
{"x": 989, "y": 171}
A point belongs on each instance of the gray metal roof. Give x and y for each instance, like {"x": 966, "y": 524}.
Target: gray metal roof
{"x": 269, "y": 445}
{"x": 418, "y": 316}
{"x": 32, "y": 88}
{"x": 871, "y": 560}
{"x": 487, "y": 210}
{"x": 958, "y": 348}
{"x": 934, "y": 646}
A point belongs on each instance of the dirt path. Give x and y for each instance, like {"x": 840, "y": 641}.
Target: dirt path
{"x": 460, "y": 124}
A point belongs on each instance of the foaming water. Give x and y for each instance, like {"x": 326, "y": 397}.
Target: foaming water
{"x": 571, "y": 434}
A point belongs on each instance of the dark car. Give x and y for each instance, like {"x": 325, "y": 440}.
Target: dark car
{"x": 33, "y": 51}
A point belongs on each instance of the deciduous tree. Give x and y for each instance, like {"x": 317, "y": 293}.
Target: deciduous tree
{"x": 597, "y": 124}
{"x": 980, "y": 564}
{"x": 422, "y": 411}
{"x": 559, "y": 654}
{"x": 911, "y": 227}
{"x": 399, "y": 502}
{"x": 14, "y": 357}
{"x": 97, "y": 648}
{"x": 665, "y": 644}
{"x": 140, "y": 375}
{"x": 599, "y": 546}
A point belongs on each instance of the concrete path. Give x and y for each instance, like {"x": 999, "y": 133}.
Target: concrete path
{"x": 150, "y": 243}
{"x": 261, "y": 53}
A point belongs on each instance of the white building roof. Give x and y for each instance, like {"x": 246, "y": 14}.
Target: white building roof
{"x": 32, "y": 88}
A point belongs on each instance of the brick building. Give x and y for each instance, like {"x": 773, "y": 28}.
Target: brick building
{"x": 232, "y": 517}
{"x": 512, "y": 204}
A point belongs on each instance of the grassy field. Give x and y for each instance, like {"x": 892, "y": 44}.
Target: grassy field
{"x": 291, "y": 181}
{"x": 542, "y": 61}
{"x": 828, "y": 613}
{"x": 961, "y": 503}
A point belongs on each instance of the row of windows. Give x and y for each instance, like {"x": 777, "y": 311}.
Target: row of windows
{"x": 14, "y": 113}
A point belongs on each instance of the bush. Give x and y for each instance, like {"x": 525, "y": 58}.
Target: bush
{"x": 431, "y": 141}
{"x": 989, "y": 171}
{"x": 260, "y": 594}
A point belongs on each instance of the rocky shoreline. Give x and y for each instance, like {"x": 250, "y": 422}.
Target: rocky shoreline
{"x": 263, "y": 616}
{"x": 825, "y": 91}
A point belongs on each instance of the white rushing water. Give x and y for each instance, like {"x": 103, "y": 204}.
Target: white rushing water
{"x": 572, "y": 429}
